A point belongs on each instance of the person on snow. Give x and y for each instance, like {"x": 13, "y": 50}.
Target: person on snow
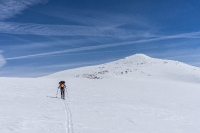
{"x": 62, "y": 89}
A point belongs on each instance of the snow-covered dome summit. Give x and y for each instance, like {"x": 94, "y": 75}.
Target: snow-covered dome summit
{"x": 133, "y": 59}
{"x": 136, "y": 56}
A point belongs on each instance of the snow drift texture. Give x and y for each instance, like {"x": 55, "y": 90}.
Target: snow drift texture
{"x": 137, "y": 94}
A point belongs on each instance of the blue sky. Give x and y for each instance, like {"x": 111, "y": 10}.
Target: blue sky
{"x": 40, "y": 37}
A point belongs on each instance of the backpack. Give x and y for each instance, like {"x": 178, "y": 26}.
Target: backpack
{"x": 62, "y": 82}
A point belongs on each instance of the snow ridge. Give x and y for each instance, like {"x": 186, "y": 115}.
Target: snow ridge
{"x": 136, "y": 66}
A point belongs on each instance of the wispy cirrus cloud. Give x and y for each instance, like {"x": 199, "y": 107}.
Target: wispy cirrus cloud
{"x": 84, "y": 23}
{"x": 10, "y": 8}
{"x": 75, "y": 30}
{"x": 178, "y": 36}
{"x": 64, "y": 30}
{"x": 98, "y": 18}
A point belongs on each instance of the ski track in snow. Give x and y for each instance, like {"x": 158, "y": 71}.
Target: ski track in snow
{"x": 69, "y": 123}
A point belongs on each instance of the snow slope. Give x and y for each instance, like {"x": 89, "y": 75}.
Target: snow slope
{"x": 137, "y": 66}
{"x": 137, "y": 94}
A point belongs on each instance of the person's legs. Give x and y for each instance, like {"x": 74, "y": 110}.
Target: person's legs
{"x": 63, "y": 93}
{"x": 61, "y": 90}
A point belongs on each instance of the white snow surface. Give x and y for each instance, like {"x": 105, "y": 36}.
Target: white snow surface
{"x": 137, "y": 94}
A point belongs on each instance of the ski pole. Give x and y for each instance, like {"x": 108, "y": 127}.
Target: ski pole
{"x": 67, "y": 93}
{"x": 57, "y": 92}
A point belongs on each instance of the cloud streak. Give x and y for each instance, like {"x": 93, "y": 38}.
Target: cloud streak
{"x": 94, "y": 24}
{"x": 186, "y": 35}
{"x": 62, "y": 30}
{"x": 73, "y": 30}
{"x": 10, "y": 8}
{"x": 99, "y": 19}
